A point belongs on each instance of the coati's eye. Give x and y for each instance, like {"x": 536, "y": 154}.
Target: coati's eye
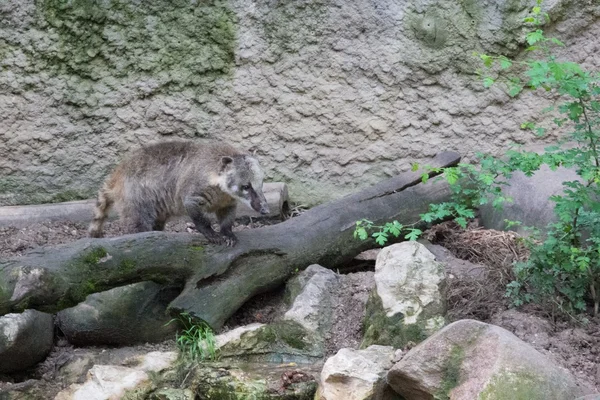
{"x": 246, "y": 187}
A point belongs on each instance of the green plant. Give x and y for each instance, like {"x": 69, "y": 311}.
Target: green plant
{"x": 196, "y": 340}
{"x": 365, "y": 228}
{"x": 564, "y": 266}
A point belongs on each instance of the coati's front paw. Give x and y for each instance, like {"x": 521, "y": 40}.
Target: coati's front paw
{"x": 214, "y": 237}
{"x": 230, "y": 239}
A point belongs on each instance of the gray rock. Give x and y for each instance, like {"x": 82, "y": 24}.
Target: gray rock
{"x": 130, "y": 314}
{"x": 531, "y": 200}
{"x": 472, "y": 360}
{"x": 333, "y": 95}
{"x": 356, "y": 374}
{"x": 25, "y": 339}
{"x": 408, "y": 303}
{"x": 311, "y": 292}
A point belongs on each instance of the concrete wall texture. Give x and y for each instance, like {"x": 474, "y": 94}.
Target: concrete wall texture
{"x": 332, "y": 94}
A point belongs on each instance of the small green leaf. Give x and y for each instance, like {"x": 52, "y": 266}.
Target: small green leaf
{"x": 487, "y": 60}
{"x": 413, "y": 234}
{"x": 505, "y": 63}
{"x": 488, "y": 82}
{"x": 535, "y": 37}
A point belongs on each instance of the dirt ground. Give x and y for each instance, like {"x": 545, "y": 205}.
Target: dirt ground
{"x": 572, "y": 344}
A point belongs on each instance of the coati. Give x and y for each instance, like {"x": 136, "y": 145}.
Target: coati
{"x": 180, "y": 177}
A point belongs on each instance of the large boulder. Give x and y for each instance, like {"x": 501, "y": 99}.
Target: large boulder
{"x": 311, "y": 293}
{"x": 472, "y": 360}
{"x": 408, "y": 303}
{"x": 356, "y": 374}
{"x": 25, "y": 339}
{"x": 130, "y": 314}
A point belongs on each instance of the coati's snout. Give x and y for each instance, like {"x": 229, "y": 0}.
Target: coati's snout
{"x": 245, "y": 181}
{"x": 258, "y": 201}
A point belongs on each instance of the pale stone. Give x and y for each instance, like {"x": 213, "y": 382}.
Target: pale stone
{"x": 356, "y": 374}
{"x": 408, "y": 279}
{"x": 235, "y": 334}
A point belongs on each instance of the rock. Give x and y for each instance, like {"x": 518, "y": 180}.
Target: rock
{"x": 356, "y": 374}
{"x": 25, "y": 339}
{"x": 278, "y": 342}
{"x": 531, "y": 203}
{"x": 130, "y": 314}
{"x": 472, "y": 360}
{"x": 254, "y": 381}
{"x": 408, "y": 303}
{"x": 311, "y": 292}
{"x": 113, "y": 381}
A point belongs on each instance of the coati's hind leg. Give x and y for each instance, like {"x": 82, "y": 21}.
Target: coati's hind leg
{"x": 139, "y": 217}
{"x": 194, "y": 206}
{"x": 226, "y": 216}
{"x": 103, "y": 205}
{"x": 159, "y": 224}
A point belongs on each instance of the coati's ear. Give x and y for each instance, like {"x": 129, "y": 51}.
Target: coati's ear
{"x": 225, "y": 161}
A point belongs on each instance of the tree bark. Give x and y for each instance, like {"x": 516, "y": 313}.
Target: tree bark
{"x": 216, "y": 280}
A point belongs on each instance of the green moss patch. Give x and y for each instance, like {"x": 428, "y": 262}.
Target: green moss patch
{"x": 89, "y": 275}
{"x": 451, "y": 377}
{"x": 179, "y": 38}
{"x": 516, "y": 385}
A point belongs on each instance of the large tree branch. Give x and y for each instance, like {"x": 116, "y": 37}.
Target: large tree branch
{"x": 216, "y": 280}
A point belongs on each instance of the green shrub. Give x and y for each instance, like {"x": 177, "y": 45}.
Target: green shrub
{"x": 564, "y": 267}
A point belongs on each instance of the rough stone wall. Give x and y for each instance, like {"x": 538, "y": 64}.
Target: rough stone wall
{"x": 332, "y": 94}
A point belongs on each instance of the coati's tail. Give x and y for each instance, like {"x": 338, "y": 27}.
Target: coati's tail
{"x": 103, "y": 205}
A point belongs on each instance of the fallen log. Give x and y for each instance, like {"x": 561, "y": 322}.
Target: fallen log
{"x": 216, "y": 280}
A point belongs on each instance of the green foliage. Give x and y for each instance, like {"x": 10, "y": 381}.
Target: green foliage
{"x": 381, "y": 233}
{"x": 564, "y": 265}
{"x": 197, "y": 340}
